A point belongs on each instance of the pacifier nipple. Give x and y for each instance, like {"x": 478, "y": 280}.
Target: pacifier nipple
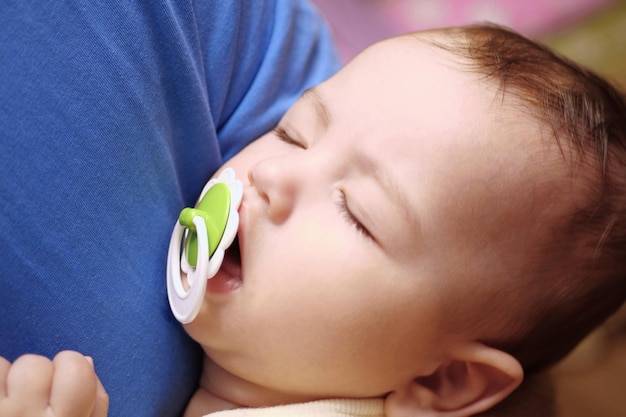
{"x": 204, "y": 233}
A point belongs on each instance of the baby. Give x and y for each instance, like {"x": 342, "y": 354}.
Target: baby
{"x": 443, "y": 215}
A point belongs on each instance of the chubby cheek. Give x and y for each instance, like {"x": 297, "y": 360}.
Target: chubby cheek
{"x": 337, "y": 340}
{"x": 328, "y": 306}
{"x": 319, "y": 295}
{"x": 309, "y": 264}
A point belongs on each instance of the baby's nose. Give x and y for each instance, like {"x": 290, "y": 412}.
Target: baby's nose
{"x": 277, "y": 184}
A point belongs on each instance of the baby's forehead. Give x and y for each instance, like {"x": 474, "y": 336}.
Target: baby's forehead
{"x": 502, "y": 145}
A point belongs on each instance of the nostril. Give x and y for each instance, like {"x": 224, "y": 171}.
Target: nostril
{"x": 263, "y": 195}
{"x": 258, "y": 186}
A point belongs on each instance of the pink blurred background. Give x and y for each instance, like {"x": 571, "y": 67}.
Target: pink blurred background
{"x": 358, "y": 23}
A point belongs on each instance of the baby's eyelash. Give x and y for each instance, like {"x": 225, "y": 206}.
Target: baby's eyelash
{"x": 285, "y": 137}
{"x": 342, "y": 204}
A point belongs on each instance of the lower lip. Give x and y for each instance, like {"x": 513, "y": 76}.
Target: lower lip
{"x": 227, "y": 279}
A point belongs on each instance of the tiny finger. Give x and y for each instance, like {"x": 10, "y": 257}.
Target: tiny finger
{"x": 5, "y": 366}
{"x": 29, "y": 380}
{"x": 73, "y": 386}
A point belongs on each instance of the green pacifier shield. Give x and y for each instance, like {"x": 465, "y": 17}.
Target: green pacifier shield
{"x": 213, "y": 208}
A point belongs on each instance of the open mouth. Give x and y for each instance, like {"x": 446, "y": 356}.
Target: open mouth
{"x": 233, "y": 255}
{"x": 229, "y": 276}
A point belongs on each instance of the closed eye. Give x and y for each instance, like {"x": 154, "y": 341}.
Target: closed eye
{"x": 342, "y": 204}
{"x": 286, "y": 137}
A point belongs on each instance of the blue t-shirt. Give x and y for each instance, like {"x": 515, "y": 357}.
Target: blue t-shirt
{"x": 113, "y": 115}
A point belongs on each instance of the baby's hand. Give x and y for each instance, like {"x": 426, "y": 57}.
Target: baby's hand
{"x": 66, "y": 386}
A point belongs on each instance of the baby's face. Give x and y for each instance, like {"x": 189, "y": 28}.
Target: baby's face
{"x": 389, "y": 197}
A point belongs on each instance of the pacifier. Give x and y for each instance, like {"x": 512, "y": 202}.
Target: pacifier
{"x": 202, "y": 234}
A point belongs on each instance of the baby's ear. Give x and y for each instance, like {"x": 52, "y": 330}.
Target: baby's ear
{"x": 474, "y": 378}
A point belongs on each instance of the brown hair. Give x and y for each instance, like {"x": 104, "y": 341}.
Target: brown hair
{"x": 586, "y": 114}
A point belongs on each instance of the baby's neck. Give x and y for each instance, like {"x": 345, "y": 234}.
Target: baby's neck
{"x": 212, "y": 395}
{"x": 219, "y": 390}
{"x": 204, "y": 402}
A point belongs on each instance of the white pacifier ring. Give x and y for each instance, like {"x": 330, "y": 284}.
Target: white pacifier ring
{"x": 186, "y": 303}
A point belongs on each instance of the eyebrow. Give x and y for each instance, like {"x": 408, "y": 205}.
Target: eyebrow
{"x": 321, "y": 109}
